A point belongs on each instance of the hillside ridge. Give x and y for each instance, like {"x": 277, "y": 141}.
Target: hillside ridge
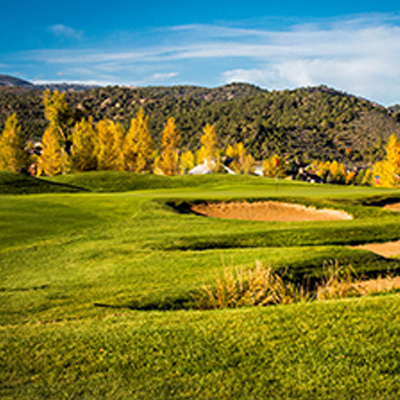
{"x": 310, "y": 122}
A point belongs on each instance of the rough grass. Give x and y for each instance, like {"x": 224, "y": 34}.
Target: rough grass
{"x": 63, "y": 254}
{"x": 327, "y": 350}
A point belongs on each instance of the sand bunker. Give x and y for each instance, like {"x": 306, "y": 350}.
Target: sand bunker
{"x": 389, "y": 249}
{"x": 268, "y": 211}
{"x": 393, "y": 207}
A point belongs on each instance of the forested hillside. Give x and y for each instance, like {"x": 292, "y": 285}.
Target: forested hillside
{"x": 308, "y": 123}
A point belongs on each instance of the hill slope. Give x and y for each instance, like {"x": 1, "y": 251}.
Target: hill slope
{"x": 11, "y": 81}
{"x": 314, "y": 123}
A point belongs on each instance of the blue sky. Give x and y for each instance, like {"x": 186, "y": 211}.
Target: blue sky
{"x": 349, "y": 45}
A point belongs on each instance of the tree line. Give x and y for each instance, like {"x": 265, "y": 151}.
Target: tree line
{"x": 307, "y": 123}
{"x": 107, "y": 145}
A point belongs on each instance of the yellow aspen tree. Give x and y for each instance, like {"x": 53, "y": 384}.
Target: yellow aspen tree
{"x": 171, "y": 139}
{"x": 108, "y": 147}
{"x": 232, "y": 152}
{"x": 157, "y": 164}
{"x": 243, "y": 162}
{"x": 12, "y": 146}
{"x": 350, "y": 177}
{"x": 334, "y": 169}
{"x": 274, "y": 167}
{"x": 83, "y": 154}
{"x": 187, "y": 162}
{"x": 138, "y": 145}
{"x": 50, "y": 161}
{"x": 209, "y": 147}
{"x": 248, "y": 164}
{"x": 386, "y": 172}
{"x": 323, "y": 168}
{"x": 57, "y": 111}
{"x": 367, "y": 178}
{"x": 201, "y": 155}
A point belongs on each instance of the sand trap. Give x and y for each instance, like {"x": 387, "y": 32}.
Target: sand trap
{"x": 389, "y": 249}
{"x": 393, "y": 207}
{"x": 268, "y": 211}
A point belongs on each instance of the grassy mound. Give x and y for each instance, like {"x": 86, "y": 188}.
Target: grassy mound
{"x": 12, "y": 183}
{"x": 112, "y": 181}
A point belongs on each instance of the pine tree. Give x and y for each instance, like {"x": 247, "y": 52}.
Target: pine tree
{"x": 12, "y": 146}
{"x": 169, "y": 162}
{"x": 83, "y": 155}
{"x": 108, "y": 147}
{"x": 209, "y": 148}
{"x": 138, "y": 145}
{"x": 52, "y": 158}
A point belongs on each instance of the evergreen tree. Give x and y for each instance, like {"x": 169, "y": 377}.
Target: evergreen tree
{"x": 12, "y": 146}
{"x": 169, "y": 162}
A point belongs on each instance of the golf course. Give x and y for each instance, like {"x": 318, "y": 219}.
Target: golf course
{"x": 100, "y": 273}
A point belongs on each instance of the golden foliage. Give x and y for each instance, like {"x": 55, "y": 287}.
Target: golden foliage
{"x": 169, "y": 162}
{"x": 138, "y": 145}
{"x": 387, "y": 172}
{"x": 187, "y": 162}
{"x": 12, "y": 154}
{"x": 52, "y": 160}
{"x": 108, "y": 147}
{"x": 83, "y": 155}
{"x": 56, "y": 111}
{"x": 209, "y": 148}
{"x": 274, "y": 167}
{"x": 243, "y": 161}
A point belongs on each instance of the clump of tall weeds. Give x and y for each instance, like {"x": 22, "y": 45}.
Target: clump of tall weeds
{"x": 339, "y": 282}
{"x": 262, "y": 286}
{"x": 258, "y": 286}
{"x": 342, "y": 281}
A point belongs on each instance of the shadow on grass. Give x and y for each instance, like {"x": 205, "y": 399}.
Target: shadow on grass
{"x": 12, "y": 183}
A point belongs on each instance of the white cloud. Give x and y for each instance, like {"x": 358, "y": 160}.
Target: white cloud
{"x": 61, "y": 30}
{"x": 93, "y": 82}
{"x": 359, "y": 55}
{"x": 161, "y": 76}
{"x": 362, "y": 61}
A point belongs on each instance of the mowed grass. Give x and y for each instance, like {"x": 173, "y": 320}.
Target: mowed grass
{"x": 84, "y": 277}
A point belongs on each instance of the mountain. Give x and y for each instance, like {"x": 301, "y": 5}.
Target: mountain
{"x": 308, "y": 123}
{"x": 13, "y": 82}
{"x": 10, "y": 81}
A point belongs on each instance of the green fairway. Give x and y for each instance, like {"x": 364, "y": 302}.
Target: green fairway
{"x": 95, "y": 292}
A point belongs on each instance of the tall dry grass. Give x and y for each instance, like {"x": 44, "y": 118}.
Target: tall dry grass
{"x": 238, "y": 287}
{"x": 262, "y": 286}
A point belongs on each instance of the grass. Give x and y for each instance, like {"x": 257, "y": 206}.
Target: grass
{"x": 95, "y": 294}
